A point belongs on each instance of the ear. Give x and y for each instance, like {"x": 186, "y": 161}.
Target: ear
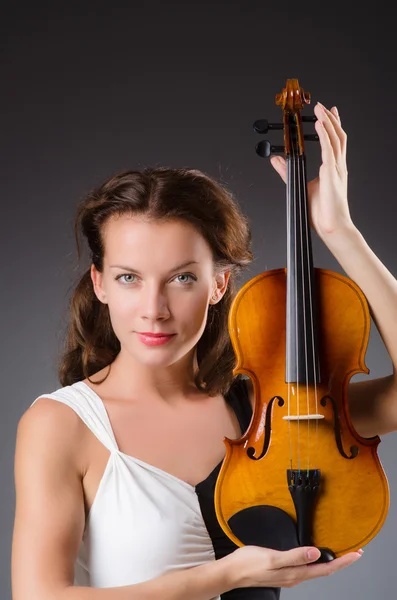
{"x": 96, "y": 277}
{"x": 222, "y": 280}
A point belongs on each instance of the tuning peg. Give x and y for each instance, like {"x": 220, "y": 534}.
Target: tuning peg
{"x": 311, "y": 137}
{"x": 265, "y": 149}
{"x": 263, "y": 126}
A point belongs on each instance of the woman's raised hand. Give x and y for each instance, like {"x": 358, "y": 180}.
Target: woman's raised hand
{"x": 327, "y": 193}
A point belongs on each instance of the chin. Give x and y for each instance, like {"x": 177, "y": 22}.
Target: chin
{"x": 159, "y": 357}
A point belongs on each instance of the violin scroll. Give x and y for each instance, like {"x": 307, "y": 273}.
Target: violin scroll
{"x": 292, "y": 100}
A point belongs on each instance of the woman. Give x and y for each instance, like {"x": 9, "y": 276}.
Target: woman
{"x": 115, "y": 477}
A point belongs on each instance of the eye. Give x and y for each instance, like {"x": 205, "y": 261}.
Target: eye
{"x": 188, "y": 278}
{"x": 125, "y": 275}
{"x": 188, "y": 275}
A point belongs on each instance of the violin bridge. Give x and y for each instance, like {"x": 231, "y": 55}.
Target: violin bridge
{"x": 303, "y": 417}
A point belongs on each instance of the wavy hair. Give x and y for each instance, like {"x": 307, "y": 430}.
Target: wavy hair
{"x": 159, "y": 194}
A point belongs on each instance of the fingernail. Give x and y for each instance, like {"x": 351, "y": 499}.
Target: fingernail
{"x": 321, "y": 105}
{"x": 312, "y": 554}
{"x": 361, "y": 551}
{"x": 336, "y": 110}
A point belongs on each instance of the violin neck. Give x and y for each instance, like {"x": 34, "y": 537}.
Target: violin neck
{"x": 302, "y": 360}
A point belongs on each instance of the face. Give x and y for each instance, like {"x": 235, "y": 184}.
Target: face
{"x": 158, "y": 277}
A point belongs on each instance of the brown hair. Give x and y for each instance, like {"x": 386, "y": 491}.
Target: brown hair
{"x": 159, "y": 194}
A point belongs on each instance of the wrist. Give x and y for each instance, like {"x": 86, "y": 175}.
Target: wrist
{"x": 347, "y": 233}
{"x": 230, "y": 571}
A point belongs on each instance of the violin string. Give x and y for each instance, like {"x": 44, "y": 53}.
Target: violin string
{"x": 312, "y": 324}
{"x": 304, "y": 213}
{"x": 289, "y": 309}
{"x": 304, "y": 294}
{"x": 297, "y": 411}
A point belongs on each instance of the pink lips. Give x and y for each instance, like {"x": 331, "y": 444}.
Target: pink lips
{"x": 154, "y": 339}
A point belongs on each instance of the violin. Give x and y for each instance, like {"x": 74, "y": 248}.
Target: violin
{"x": 300, "y": 471}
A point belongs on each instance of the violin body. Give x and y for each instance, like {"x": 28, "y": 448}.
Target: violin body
{"x": 352, "y": 502}
{"x": 300, "y": 471}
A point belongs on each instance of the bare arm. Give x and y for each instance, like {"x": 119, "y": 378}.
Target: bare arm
{"x": 197, "y": 583}
{"x": 372, "y": 402}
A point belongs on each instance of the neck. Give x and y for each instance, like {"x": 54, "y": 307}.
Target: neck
{"x": 168, "y": 384}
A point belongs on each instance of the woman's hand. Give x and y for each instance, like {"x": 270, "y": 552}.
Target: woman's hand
{"x": 327, "y": 193}
{"x": 253, "y": 566}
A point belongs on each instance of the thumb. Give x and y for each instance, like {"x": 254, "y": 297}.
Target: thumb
{"x": 278, "y": 163}
{"x": 299, "y": 556}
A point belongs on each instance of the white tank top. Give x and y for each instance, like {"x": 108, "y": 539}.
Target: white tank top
{"x": 144, "y": 522}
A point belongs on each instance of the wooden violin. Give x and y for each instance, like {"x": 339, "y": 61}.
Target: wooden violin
{"x": 300, "y": 333}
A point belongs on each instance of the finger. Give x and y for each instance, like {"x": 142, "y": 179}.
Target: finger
{"x": 329, "y": 122}
{"x": 327, "y": 151}
{"x": 279, "y": 165}
{"x": 333, "y": 126}
{"x": 297, "y": 556}
{"x": 332, "y": 114}
{"x": 324, "y": 569}
{"x": 340, "y": 131}
{"x": 335, "y": 112}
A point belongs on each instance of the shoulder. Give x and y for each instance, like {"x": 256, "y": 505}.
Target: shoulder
{"x": 49, "y": 508}
{"x": 54, "y": 427}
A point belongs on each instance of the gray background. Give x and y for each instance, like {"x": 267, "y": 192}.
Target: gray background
{"x": 93, "y": 88}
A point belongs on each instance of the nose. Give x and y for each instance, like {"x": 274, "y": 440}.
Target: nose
{"x": 154, "y": 304}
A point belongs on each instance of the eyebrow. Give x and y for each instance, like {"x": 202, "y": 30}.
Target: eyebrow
{"x": 182, "y": 266}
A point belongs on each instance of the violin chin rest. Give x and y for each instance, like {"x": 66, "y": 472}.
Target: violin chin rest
{"x": 326, "y": 555}
{"x": 269, "y": 527}
{"x": 265, "y": 526}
